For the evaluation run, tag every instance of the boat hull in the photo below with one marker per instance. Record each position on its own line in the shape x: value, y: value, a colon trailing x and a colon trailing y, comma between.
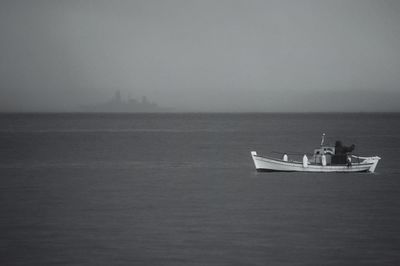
x: 266, y: 164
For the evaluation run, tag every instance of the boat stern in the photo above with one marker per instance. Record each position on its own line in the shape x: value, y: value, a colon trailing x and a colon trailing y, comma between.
x: 253, y: 155
x: 375, y: 161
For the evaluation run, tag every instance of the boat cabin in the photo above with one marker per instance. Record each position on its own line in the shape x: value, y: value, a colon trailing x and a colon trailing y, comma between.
x: 324, y: 150
x: 328, y: 155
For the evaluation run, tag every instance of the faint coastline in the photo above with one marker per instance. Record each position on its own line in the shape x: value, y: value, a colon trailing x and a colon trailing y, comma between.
x: 117, y: 105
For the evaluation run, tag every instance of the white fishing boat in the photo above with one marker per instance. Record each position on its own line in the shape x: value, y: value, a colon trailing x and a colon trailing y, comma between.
x: 324, y: 159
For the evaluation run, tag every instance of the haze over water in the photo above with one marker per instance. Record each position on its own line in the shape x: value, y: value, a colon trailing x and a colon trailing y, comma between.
x: 181, y: 189
x: 208, y: 56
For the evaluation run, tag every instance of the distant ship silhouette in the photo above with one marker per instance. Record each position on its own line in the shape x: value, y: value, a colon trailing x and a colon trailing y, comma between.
x: 116, y: 104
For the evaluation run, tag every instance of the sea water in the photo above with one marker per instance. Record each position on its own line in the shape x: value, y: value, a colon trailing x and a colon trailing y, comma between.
x: 181, y: 189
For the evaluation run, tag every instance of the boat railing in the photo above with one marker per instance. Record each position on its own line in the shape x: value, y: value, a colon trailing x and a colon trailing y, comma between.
x: 297, y: 156
x: 312, y: 159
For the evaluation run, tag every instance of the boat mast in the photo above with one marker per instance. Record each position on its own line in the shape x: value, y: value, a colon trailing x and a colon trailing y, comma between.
x: 322, y: 139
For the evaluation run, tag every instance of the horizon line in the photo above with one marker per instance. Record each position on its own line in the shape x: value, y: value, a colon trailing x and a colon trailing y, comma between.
x: 204, y: 112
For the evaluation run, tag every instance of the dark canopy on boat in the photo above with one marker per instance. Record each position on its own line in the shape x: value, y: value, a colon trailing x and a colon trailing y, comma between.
x: 341, y: 153
x: 341, y: 149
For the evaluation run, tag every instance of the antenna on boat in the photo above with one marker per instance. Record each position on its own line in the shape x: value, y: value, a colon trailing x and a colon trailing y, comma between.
x: 322, y: 139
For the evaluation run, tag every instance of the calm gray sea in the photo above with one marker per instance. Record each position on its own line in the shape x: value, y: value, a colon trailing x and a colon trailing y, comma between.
x: 181, y: 189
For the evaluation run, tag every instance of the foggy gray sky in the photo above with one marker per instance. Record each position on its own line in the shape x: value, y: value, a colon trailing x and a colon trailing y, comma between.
x: 205, y: 55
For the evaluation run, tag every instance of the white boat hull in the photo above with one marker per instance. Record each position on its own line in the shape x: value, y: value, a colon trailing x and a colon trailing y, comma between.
x: 263, y: 163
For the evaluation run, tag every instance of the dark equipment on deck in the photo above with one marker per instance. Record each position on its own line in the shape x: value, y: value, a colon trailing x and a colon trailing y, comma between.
x: 341, y: 153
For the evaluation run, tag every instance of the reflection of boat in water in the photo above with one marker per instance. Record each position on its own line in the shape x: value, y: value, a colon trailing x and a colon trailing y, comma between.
x: 324, y: 159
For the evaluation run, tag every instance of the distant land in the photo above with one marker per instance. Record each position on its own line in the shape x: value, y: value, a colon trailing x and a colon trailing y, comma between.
x: 117, y: 104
